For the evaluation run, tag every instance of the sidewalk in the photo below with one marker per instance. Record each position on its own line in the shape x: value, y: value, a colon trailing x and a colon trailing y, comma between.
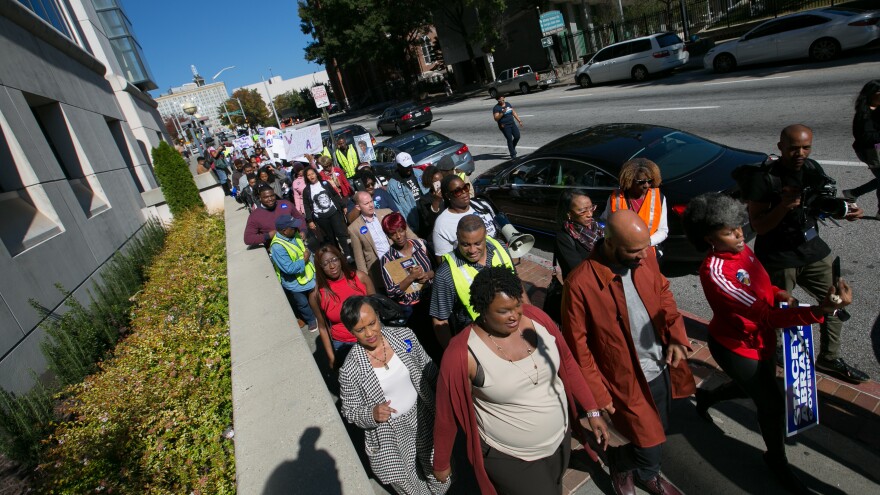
x: 851, y: 411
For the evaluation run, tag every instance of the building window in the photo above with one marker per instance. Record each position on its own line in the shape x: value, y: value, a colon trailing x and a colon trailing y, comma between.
x: 427, y: 49
x: 50, y: 11
x: 126, y: 48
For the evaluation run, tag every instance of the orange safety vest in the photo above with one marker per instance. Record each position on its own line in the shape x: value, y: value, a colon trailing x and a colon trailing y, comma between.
x: 650, y: 212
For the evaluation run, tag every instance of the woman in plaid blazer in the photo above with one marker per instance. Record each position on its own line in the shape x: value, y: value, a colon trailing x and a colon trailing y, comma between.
x: 387, y: 388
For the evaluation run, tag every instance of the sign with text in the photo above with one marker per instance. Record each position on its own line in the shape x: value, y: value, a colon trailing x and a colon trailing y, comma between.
x: 547, y: 42
x: 364, y: 147
x: 551, y: 22
x: 242, y: 143
x: 298, y: 142
x: 319, y: 93
x: 801, y: 393
x: 274, y: 143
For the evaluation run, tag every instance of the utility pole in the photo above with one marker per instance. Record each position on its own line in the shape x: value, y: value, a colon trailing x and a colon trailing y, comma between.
x: 271, y: 103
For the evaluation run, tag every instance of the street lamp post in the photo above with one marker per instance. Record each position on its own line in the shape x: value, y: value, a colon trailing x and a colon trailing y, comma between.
x: 224, y: 103
x: 190, y: 108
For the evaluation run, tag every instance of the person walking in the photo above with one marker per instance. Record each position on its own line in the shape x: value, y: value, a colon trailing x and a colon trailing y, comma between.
x: 579, y: 232
x: 504, y: 116
x: 866, y: 131
x: 324, y: 209
x: 293, y: 266
x: 640, y: 192
x: 387, y: 389
x: 742, y: 335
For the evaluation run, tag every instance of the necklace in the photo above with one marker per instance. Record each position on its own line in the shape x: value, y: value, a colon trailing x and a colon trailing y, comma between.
x: 528, y: 350
x: 384, y: 361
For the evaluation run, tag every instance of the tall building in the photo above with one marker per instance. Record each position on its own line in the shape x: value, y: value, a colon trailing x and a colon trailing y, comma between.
x: 277, y: 86
x: 208, y: 98
x: 76, y: 127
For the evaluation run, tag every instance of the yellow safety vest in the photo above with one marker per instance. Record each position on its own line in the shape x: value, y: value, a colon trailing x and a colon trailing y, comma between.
x: 463, y: 276
x: 295, y: 250
x: 348, y: 163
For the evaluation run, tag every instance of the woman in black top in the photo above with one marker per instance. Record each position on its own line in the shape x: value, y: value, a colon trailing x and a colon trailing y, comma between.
x: 579, y: 232
x: 324, y: 209
x: 866, y: 131
x: 430, y: 205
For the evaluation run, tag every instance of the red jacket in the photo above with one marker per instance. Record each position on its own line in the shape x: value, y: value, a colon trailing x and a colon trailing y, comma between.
x: 344, y: 186
x: 262, y: 221
x: 455, y: 406
x: 743, y: 302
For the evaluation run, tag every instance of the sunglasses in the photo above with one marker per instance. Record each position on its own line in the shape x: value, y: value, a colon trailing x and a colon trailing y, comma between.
x: 460, y: 191
x: 642, y: 182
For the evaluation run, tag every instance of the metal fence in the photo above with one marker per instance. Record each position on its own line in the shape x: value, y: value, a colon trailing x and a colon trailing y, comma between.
x: 701, y: 15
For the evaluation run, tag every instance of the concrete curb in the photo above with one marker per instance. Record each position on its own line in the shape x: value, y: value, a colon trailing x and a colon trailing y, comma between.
x: 288, y: 434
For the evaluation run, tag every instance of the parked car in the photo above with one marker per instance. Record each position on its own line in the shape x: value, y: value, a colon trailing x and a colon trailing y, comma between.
x: 522, y: 79
x: 348, y: 132
x: 637, y: 59
x: 426, y: 148
x: 528, y: 189
x: 818, y: 34
x: 403, y: 117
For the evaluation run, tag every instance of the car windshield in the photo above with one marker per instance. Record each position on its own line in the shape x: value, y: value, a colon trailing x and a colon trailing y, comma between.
x: 423, y: 143
x: 668, y: 39
x: 679, y: 153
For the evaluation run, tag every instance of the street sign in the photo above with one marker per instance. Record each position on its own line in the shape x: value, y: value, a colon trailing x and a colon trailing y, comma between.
x: 490, y: 58
x: 551, y: 22
x: 547, y: 42
x: 319, y: 93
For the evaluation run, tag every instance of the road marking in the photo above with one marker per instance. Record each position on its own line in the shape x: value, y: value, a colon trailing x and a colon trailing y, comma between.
x: 676, y: 108
x: 444, y: 120
x: 746, y: 80
x: 839, y: 163
x: 499, y: 146
x: 526, y: 115
x: 577, y: 96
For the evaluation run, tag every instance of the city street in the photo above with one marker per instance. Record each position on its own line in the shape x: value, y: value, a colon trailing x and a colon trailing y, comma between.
x: 744, y: 109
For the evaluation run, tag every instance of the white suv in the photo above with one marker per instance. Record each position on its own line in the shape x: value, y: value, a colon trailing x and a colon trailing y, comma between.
x: 636, y: 58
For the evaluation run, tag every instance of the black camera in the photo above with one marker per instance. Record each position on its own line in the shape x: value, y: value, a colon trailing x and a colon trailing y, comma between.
x: 822, y: 201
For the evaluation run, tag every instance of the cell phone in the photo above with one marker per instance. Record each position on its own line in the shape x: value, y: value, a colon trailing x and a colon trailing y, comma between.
x: 437, y: 186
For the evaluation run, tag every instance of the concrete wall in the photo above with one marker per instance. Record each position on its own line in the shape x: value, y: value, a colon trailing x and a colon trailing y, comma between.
x: 58, y: 224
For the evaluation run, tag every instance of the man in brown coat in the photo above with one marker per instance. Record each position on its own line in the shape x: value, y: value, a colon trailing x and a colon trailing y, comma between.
x: 368, y: 241
x: 624, y: 329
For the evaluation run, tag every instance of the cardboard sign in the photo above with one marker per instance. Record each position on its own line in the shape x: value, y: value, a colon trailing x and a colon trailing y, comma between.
x: 363, y: 144
x: 242, y: 143
x: 801, y: 393
x: 298, y: 142
x: 399, y: 270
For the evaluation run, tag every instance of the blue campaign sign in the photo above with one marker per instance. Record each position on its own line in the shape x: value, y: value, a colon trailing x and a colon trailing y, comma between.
x: 801, y: 394
x: 551, y: 22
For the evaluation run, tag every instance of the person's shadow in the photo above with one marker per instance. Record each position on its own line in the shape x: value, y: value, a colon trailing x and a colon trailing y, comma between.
x: 313, y: 471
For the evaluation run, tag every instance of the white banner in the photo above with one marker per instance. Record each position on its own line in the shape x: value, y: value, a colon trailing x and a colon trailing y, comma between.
x: 274, y: 143
x: 242, y: 143
x: 298, y: 142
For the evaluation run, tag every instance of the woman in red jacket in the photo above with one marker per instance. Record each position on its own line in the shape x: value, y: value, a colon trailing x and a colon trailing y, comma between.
x: 742, y: 335
x: 511, y: 384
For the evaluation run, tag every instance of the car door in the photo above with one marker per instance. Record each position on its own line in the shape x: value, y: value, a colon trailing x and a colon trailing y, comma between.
x: 797, y: 34
x: 599, y: 70
x: 620, y: 61
x: 525, y: 193
x: 501, y: 80
x: 759, y: 45
x: 597, y: 183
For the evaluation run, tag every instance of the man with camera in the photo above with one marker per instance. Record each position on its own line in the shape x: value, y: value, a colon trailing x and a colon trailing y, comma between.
x: 785, y: 200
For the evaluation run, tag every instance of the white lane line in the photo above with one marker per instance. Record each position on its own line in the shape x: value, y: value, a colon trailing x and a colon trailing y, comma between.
x: 577, y: 96
x: 676, y: 108
x: 526, y: 115
x: 499, y: 146
x: 839, y: 163
x: 445, y: 120
x: 746, y: 80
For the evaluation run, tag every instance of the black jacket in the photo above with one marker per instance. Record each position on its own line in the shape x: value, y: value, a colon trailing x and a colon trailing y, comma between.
x: 309, y: 206
x: 569, y: 253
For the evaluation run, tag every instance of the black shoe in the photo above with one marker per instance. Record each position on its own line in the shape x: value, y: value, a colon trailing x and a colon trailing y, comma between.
x: 838, y: 368
x: 781, y: 469
x: 703, y: 405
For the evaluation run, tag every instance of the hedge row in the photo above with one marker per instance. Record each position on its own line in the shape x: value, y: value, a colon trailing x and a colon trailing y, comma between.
x: 152, y: 420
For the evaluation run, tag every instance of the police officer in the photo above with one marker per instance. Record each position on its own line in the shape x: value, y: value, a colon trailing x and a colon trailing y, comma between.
x: 788, y: 242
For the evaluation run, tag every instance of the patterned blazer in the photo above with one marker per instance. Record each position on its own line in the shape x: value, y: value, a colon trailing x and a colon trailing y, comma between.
x: 360, y: 392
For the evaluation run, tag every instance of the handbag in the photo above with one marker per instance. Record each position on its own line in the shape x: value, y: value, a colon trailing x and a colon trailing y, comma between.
x: 553, y: 299
x: 389, y: 311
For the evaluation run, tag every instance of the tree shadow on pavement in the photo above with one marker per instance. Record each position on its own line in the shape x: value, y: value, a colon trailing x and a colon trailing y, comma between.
x: 313, y: 471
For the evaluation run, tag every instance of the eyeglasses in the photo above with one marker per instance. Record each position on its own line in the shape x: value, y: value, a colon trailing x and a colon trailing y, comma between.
x: 332, y: 261
x: 585, y: 210
x: 460, y: 191
x: 642, y: 182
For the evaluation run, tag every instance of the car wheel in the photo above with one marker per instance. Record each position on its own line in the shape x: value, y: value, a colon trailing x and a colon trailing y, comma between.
x: 724, y: 63
x: 428, y: 123
x: 824, y: 49
x: 639, y: 73
x: 493, y: 93
x: 398, y: 129
x: 524, y: 88
x: 584, y: 81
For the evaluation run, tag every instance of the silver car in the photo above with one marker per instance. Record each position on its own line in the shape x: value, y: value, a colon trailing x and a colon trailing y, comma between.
x: 426, y: 148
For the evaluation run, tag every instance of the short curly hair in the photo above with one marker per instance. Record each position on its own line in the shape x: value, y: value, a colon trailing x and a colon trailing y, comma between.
x: 709, y: 212
x: 491, y: 281
x: 630, y: 170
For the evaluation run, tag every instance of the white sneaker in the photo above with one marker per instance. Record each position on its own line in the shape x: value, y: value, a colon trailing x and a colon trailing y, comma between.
x: 848, y: 195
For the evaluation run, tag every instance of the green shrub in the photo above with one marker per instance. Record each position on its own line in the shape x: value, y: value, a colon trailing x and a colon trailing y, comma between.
x: 152, y: 419
x: 25, y: 421
x: 175, y: 179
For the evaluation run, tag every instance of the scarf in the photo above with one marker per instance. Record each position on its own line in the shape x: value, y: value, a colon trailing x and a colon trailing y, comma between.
x: 585, y: 236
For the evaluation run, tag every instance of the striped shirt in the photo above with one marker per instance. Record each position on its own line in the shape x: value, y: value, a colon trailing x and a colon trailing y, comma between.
x: 420, y: 255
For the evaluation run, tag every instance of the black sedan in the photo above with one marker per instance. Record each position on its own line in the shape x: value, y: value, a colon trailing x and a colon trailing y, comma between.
x: 403, y: 117
x: 528, y: 188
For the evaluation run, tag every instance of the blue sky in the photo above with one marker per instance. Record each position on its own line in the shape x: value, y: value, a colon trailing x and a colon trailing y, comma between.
x: 252, y: 36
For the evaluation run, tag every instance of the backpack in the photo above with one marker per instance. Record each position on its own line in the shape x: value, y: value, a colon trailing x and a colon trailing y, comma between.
x: 744, y: 176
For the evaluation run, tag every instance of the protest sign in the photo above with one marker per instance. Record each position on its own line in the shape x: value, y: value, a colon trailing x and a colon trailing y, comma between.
x: 801, y: 394
x: 242, y: 143
x: 274, y: 143
x: 298, y: 142
x: 364, y: 146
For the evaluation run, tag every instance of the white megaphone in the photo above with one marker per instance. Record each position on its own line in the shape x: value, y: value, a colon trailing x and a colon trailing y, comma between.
x: 517, y: 243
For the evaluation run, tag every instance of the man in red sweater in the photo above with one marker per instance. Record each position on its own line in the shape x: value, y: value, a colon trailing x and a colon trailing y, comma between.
x: 260, y: 226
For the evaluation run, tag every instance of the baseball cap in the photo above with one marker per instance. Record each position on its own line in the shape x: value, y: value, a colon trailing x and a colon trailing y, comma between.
x: 285, y: 221
x: 404, y: 159
x: 446, y: 163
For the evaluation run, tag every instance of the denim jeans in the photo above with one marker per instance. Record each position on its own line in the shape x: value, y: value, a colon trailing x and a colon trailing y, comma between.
x: 299, y: 301
x: 511, y: 134
x: 221, y: 175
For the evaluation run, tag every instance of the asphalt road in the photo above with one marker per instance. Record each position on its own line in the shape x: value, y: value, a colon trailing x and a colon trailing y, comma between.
x: 745, y: 109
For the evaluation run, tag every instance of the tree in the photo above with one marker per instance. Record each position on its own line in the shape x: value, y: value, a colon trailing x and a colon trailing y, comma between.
x: 255, y: 108
x: 172, y: 129
x: 289, y: 100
